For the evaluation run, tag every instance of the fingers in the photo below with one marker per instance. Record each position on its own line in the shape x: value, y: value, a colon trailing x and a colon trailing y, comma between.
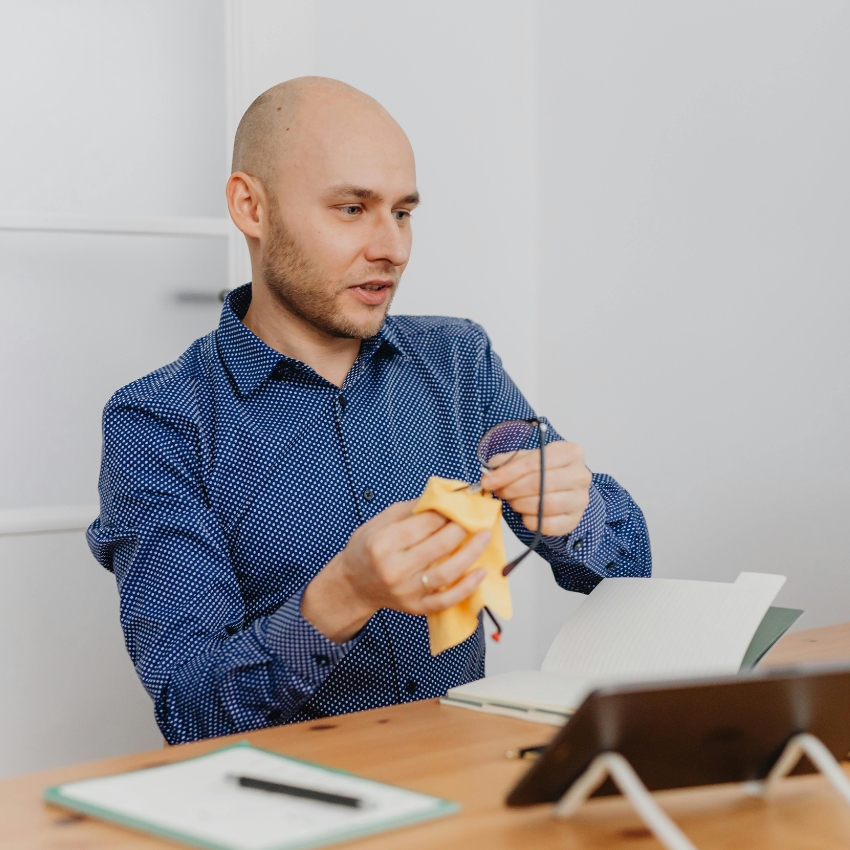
x: 447, y: 572
x: 559, y: 480
x: 449, y: 577
x: 401, y: 551
x: 408, y: 532
x: 567, y: 487
x: 394, y: 513
x: 526, y: 463
x: 438, y: 545
x: 383, y: 563
x: 562, y: 510
x: 501, y: 459
x: 553, y: 503
x: 520, y: 465
x: 554, y: 526
x: 445, y: 576
x: 444, y: 599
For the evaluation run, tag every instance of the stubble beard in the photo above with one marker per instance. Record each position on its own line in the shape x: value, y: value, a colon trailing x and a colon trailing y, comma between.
x: 299, y: 287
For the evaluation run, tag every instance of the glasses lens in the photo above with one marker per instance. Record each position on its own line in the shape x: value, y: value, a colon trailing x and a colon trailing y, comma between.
x: 506, y: 438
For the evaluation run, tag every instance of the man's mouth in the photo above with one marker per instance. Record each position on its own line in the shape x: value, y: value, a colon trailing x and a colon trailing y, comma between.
x: 372, y: 292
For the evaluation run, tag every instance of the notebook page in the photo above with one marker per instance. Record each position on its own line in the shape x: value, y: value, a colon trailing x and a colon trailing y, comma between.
x: 195, y: 800
x: 535, y: 688
x: 651, y: 628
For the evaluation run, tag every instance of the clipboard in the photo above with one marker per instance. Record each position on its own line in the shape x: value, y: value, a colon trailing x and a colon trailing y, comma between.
x: 195, y: 802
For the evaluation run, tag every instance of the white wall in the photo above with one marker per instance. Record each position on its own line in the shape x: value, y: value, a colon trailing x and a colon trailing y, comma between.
x: 459, y: 78
x: 113, y: 110
x: 110, y: 111
x: 644, y: 204
x: 695, y: 271
x: 68, y: 691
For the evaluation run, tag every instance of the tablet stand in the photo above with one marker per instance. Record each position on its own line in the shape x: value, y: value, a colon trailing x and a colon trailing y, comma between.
x: 656, y: 819
x: 624, y: 777
x: 820, y: 757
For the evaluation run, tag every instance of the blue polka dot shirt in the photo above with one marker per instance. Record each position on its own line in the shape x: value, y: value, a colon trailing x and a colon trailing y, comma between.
x: 232, y: 476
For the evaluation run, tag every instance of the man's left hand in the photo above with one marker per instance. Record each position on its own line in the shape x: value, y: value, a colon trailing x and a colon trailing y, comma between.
x: 567, y: 486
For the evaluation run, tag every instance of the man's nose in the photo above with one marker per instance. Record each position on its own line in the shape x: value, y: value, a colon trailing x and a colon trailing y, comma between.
x: 389, y: 241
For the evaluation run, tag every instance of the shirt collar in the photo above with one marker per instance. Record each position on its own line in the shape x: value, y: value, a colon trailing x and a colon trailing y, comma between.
x: 250, y: 361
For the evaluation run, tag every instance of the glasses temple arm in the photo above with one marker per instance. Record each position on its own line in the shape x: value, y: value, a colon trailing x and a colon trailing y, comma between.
x: 542, y: 430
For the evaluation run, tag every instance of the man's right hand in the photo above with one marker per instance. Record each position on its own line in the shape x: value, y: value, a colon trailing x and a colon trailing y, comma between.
x: 382, y: 567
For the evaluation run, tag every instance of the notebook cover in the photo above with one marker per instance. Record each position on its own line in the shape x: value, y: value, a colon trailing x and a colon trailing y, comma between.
x: 774, y: 624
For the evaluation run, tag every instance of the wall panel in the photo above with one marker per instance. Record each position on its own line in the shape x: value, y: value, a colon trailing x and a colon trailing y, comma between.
x: 695, y: 266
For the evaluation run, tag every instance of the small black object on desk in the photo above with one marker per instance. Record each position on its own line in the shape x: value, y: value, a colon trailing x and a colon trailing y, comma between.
x: 296, y: 791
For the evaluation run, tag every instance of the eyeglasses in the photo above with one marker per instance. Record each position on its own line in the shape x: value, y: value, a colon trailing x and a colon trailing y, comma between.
x: 504, y: 441
x: 501, y: 443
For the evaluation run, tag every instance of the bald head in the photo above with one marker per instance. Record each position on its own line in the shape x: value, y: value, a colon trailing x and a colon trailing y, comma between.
x: 284, y: 116
x: 323, y: 187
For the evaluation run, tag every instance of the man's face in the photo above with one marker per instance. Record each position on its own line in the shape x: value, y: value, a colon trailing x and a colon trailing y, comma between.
x: 338, y: 231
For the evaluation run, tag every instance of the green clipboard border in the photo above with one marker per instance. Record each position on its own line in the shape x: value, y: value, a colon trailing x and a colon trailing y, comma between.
x: 442, y: 808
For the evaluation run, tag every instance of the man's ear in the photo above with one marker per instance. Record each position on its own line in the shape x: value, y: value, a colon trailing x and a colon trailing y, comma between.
x: 247, y: 203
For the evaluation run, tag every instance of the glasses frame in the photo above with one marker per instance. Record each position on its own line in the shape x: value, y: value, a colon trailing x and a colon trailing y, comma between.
x: 542, y: 431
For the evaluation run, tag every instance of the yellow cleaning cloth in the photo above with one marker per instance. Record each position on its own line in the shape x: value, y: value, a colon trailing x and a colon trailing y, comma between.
x: 474, y: 512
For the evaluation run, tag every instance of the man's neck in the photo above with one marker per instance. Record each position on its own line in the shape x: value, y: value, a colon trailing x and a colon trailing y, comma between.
x: 329, y: 356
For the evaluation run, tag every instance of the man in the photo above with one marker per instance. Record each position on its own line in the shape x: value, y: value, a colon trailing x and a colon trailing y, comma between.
x: 256, y: 495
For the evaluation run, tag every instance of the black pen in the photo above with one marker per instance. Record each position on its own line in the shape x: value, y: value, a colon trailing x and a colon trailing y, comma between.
x: 297, y: 791
x: 526, y: 752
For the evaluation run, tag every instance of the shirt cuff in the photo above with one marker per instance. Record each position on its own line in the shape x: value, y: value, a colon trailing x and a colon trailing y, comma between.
x: 579, y: 547
x: 299, y: 645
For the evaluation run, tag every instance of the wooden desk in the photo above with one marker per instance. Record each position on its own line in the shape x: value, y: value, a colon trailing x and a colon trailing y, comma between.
x: 460, y: 755
x: 813, y: 646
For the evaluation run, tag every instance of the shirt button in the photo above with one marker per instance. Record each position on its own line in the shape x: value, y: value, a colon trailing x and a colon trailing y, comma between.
x: 342, y: 402
x: 578, y: 545
x: 368, y: 495
x: 280, y: 371
x: 322, y: 660
x: 411, y: 686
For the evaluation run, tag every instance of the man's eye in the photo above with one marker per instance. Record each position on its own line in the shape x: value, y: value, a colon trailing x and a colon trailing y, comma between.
x: 351, y: 209
x: 401, y: 215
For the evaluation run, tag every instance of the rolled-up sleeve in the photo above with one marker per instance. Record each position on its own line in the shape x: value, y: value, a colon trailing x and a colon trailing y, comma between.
x: 208, y: 672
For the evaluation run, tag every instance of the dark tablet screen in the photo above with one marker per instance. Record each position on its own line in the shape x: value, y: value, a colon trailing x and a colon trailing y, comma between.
x: 703, y: 732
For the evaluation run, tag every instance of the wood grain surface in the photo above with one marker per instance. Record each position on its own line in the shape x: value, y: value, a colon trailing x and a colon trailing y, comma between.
x: 460, y: 755
x: 812, y: 646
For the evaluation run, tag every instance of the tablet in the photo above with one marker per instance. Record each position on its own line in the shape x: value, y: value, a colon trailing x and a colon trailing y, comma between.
x: 696, y: 732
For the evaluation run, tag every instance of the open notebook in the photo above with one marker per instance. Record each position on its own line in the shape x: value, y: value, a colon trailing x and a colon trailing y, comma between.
x: 640, y: 629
